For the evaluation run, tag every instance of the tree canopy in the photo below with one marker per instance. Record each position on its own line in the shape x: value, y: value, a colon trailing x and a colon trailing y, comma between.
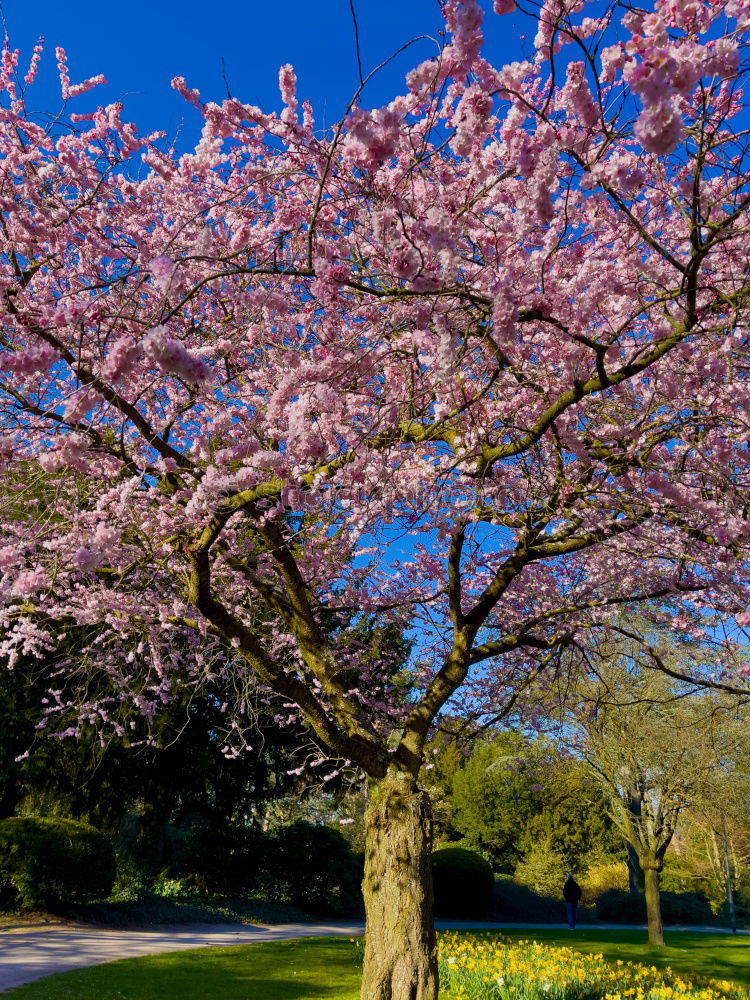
x: 475, y: 361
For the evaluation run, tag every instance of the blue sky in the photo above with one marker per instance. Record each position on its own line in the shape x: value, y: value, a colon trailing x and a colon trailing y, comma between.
x: 139, y: 46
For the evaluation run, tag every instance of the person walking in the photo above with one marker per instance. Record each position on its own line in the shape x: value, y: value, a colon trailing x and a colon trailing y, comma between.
x: 572, y: 896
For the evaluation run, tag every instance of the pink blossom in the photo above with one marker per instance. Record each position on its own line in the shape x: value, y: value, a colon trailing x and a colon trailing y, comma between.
x: 36, y: 358
x: 372, y: 138
x: 576, y: 95
x: 62, y: 67
x: 83, y: 88
x: 122, y: 355
x: 162, y: 269
x: 173, y: 357
x: 613, y: 59
x: 29, y: 582
x: 34, y: 62
x: 192, y: 96
x: 659, y: 127
x: 288, y: 88
x: 424, y: 77
x: 69, y: 453
x: 723, y: 59
x: 9, y: 557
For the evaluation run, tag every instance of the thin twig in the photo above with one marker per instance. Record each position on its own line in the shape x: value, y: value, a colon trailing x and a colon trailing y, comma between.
x: 226, y: 81
x: 356, y: 41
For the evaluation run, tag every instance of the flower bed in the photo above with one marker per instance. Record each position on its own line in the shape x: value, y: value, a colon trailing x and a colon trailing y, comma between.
x: 486, y: 967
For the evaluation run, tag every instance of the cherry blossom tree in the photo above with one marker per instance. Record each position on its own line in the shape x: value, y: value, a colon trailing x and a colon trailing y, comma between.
x: 474, y: 363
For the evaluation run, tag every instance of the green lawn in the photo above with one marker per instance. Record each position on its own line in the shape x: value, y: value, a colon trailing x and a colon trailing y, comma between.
x: 307, y: 969
x: 326, y: 969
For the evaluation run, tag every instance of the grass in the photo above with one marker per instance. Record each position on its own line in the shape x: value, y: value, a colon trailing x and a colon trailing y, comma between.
x: 309, y: 969
x: 326, y: 968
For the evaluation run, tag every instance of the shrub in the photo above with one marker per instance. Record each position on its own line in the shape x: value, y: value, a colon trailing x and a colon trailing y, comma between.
x: 676, y: 876
x: 312, y: 867
x: 229, y: 862
x: 514, y: 902
x: 543, y: 869
x: 602, y: 876
x: 685, y: 908
x: 463, y: 883
x: 52, y: 861
x: 619, y: 907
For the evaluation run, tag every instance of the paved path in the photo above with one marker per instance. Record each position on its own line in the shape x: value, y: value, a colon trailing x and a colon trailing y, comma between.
x: 28, y: 952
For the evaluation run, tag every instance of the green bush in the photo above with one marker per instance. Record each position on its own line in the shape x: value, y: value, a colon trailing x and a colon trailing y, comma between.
x: 602, y: 875
x: 312, y: 867
x: 620, y: 907
x: 514, y: 902
x: 685, y: 908
x: 47, y: 862
x: 463, y: 883
x: 543, y: 869
x: 229, y: 863
x: 676, y: 875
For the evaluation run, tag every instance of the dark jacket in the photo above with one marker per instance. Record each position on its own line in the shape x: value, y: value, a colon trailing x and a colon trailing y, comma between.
x: 571, y: 891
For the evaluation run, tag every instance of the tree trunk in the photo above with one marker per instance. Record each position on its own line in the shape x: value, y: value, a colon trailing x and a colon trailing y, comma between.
x: 635, y: 875
x: 653, y: 904
x: 728, y: 877
x: 400, y: 948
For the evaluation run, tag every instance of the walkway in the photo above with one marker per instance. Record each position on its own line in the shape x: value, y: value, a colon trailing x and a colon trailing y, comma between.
x: 30, y: 951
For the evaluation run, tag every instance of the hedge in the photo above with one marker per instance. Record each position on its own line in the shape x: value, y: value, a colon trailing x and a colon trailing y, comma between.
x: 462, y: 882
x: 48, y: 861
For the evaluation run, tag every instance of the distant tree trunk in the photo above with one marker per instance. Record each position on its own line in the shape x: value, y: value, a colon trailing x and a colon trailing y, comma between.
x: 653, y: 903
x: 728, y: 877
x: 635, y: 875
x: 400, y: 948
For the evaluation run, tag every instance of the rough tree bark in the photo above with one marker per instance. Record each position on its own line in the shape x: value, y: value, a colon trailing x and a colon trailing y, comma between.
x: 653, y: 902
x: 400, y: 948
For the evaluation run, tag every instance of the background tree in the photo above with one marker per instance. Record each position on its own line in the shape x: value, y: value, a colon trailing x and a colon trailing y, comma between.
x: 719, y: 819
x: 474, y: 361
x: 514, y: 793
x: 653, y: 745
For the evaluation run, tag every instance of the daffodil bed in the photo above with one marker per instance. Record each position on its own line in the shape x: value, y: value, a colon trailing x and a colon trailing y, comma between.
x: 490, y: 967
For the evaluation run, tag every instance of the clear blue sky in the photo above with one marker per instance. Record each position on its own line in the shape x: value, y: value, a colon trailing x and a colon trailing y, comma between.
x: 139, y: 46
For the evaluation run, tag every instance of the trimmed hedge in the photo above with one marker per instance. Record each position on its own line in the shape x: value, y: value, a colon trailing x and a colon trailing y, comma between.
x: 312, y: 867
x: 227, y: 863
x: 462, y: 882
x: 46, y: 862
x: 514, y: 902
x: 619, y: 907
x: 302, y: 865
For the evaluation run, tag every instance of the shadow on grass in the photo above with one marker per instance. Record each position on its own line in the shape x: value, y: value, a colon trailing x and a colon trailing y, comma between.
x: 310, y: 969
